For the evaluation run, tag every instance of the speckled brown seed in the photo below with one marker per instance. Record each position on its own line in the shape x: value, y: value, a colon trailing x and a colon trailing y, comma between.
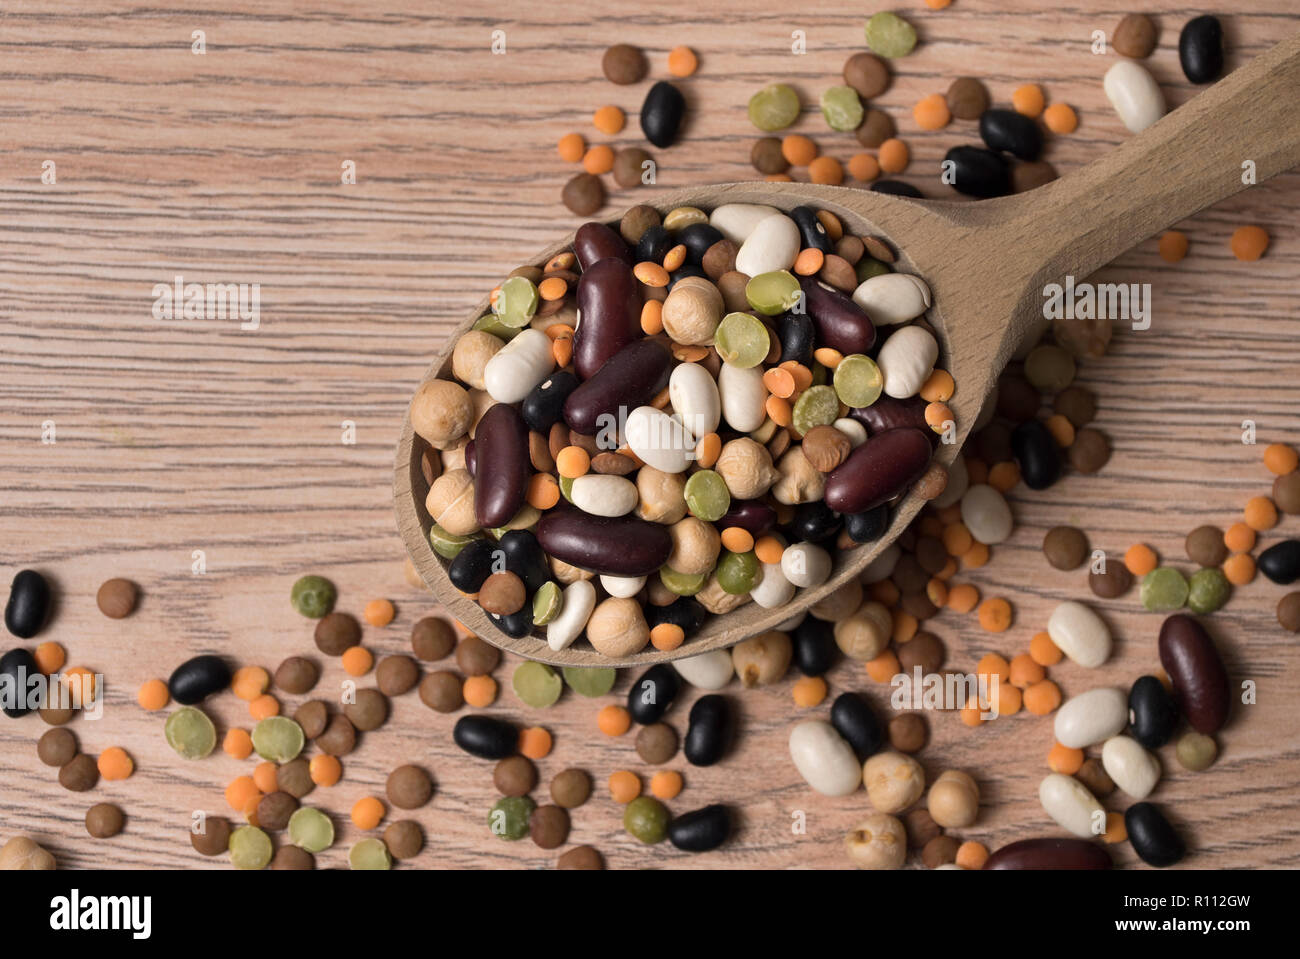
x: 274, y: 810
x: 766, y: 156
x: 549, y: 826
x: 571, y: 788
x: 404, y: 839
x: 967, y: 98
x: 432, y: 638
x: 56, y: 747
x: 476, y: 657
x: 214, y: 840
x: 396, y: 675
x: 337, y: 632
x: 441, y: 692
x: 920, y: 827
x: 1066, y: 547
x: 339, y: 737
x: 624, y: 64
x: 908, y: 732
x: 1113, y: 583
x: 313, y: 716
x: 104, y: 820
x: 296, y: 675
x: 369, y: 711
x: 117, y: 598
x: 79, y: 774
x: 409, y: 787
x: 1135, y: 36
x: 514, y: 776
x: 294, y: 777
x: 1205, y: 546
x: 580, y: 857
x: 656, y: 743
x: 292, y: 859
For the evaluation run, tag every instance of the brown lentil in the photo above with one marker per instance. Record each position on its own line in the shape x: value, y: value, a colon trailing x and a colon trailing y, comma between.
x: 337, y: 632
x: 1090, y: 452
x: 549, y: 826
x: 369, y: 711
x: 850, y: 248
x: 290, y: 858
x: 409, y: 787
x: 1286, y: 492
x: 623, y: 64
x: 1135, y: 36
x: 720, y: 259
x: 55, y: 716
x: 967, y: 98
x: 925, y: 650
x: 656, y: 743
x: 1076, y: 404
x: 339, y: 737
x: 1114, y: 582
x: 515, y: 776
x: 636, y: 221
x: 56, y: 747
x: 104, y: 820
x: 1030, y: 175
x: 1066, y: 547
x: 580, y: 857
x: 294, y: 778
x: 583, y: 194
x: 313, y: 716
x: 1205, y: 546
x: 116, y: 599
x: 214, y: 840
x: 629, y: 167
x: 397, y: 675
x: 404, y: 839
x: 274, y: 810
x: 296, y: 675
x: 920, y: 827
x: 766, y: 156
x: 838, y: 272
x: 939, y: 851
x: 79, y: 773
x: 908, y: 732
x: 571, y: 788
x: 1093, y: 775
x: 441, y: 692
x: 1288, y: 612
x: 502, y: 593
x: 866, y: 73
x: 432, y: 638
x: 475, y: 657
x: 875, y: 129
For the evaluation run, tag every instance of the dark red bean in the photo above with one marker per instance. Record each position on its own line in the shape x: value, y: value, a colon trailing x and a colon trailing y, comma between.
x: 595, y: 241
x: 609, y: 301
x: 502, y: 465
x: 631, y: 379
x: 888, y: 413
x: 471, y: 458
x: 608, y: 545
x: 1200, y: 682
x: 878, y: 470
x: 752, y: 515
x: 841, y: 324
x: 1050, y: 854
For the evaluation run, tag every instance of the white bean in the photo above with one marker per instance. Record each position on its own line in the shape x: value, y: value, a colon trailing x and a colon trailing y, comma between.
x: 736, y: 221
x: 773, y: 589
x: 579, y: 601
x: 806, y: 564
x: 882, y: 567
x: 771, y: 245
x: 906, y: 360
x: 711, y: 670
x: 658, y: 439
x: 1134, y: 94
x: 518, y: 366
x: 958, y: 483
x: 694, y: 395
x: 1091, y: 717
x: 622, y: 587
x: 742, y: 394
x: 825, y: 761
x: 603, y: 494
x: 892, y: 298
x: 1133, y: 769
x: 1075, y: 809
x: 1080, y: 634
x: 985, y: 512
x: 855, y: 431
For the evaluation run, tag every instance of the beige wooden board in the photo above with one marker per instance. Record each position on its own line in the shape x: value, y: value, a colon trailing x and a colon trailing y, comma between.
x: 175, y: 436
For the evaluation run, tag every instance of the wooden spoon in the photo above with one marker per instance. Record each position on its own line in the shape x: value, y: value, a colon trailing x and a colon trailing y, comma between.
x: 987, y: 264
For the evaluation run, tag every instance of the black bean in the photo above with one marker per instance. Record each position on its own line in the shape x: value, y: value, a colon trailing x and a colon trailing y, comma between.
x: 1151, y: 836
x: 29, y: 604
x: 798, y: 337
x: 1036, y: 452
x: 654, y: 244
x: 854, y: 719
x: 652, y: 694
x: 701, y: 829
x: 610, y: 546
x: 594, y: 242
x: 502, y: 465
x: 975, y: 171
x: 897, y: 188
x: 687, y: 612
x: 517, y: 624
x: 689, y: 269
x: 869, y: 526
x: 708, y: 731
x: 1281, y: 562
x: 1152, y: 712
x: 661, y: 113
x: 840, y: 323
x: 525, y: 558
x: 196, y: 679
x: 1199, y: 679
x: 814, y: 647
x: 812, y: 230
x: 1200, y: 49
x: 1050, y: 854
x: 630, y: 378
x: 472, y: 565
x: 543, y: 407
x: 698, y: 237
x: 485, y: 737
x: 814, y: 522
x: 17, y: 667
x: 1012, y: 132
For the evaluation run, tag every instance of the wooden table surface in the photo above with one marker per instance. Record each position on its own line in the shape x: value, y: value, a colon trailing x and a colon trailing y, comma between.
x: 175, y: 436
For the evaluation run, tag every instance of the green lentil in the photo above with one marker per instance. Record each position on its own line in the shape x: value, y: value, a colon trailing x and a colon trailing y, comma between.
x: 492, y: 324
x: 566, y: 488
x: 1207, y: 590
x: 537, y: 684
x: 313, y: 596
x: 774, y: 107
x: 517, y: 302
x: 370, y: 853
x: 1196, y: 751
x: 590, y: 682
x: 773, y: 293
x: 889, y: 35
x: 646, y: 818
x: 448, y: 545
x: 683, y: 584
x: 1163, y: 590
x: 190, y: 732
x: 1049, y: 368
x: 842, y: 109
x: 278, y: 738
x: 742, y: 340
x: 707, y: 496
x: 868, y: 266
x: 509, y: 817
x: 527, y: 517
x: 738, y: 572
x: 858, y: 381
x: 816, y: 406
x: 311, y: 829
x: 547, y: 603
x: 250, y: 848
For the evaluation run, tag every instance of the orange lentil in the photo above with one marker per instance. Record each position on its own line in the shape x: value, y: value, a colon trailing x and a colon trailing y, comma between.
x: 948, y: 514
x: 975, y: 557
x: 779, y: 382
x: 798, y: 150
x: 1025, y: 671
x: 1172, y: 246
x: 265, y: 776
x: 652, y: 317
x: 1116, y: 830
x: 1140, y: 559
x: 936, y: 591
x: 828, y: 357
x: 1239, y: 538
x: 931, y: 113
x: 769, y: 549
x: 367, y: 813
x: 1028, y: 99
x: 1004, y: 476
x: 1064, y: 760
x: 598, y: 159
x: 325, y: 770
x: 624, y: 786
x: 970, y: 714
x: 613, y: 720
x: 905, y: 626
x: 991, y: 664
x: 1005, y: 699
x: 995, y: 615
x: 809, y: 691
x: 79, y: 679
x: 938, y: 415
x: 938, y: 387
x: 809, y: 261
x: 708, y: 449
x: 1239, y: 569
x: 667, y: 636
x: 893, y: 156
x: 557, y: 330
x: 779, y: 410
x: 1062, y: 429
x: 675, y: 257
x: 826, y: 170
x: 153, y: 695
x: 249, y: 682
x: 1041, y: 698
x: 379, y: 612
x: 779, y: 178
x: 114, y: 763
x: 240, y: 791
x: 543, y: 491
x: 957, y: 538
x: 1260, y: 513
x: 50, y: 657
x: 573, y: 462
x: 479, y: 691
x: 1280, y: 459
x: 884, y: 667
x: 666, y: 784
x: 977, y: 470
x: 357, y: 660
x: 264, y: 707
x: 963, y: 597
x: 863, y: 167
x: 561, y: 261
x: 562, y: 350
x: 682, y: 61
x: 737, y: 539
x: 571, y: 147
x: 884, y: 592
x: 802, y: 375
x: 1043, y: 651
x: 948, y: 571
x: 970, y: 854
x: 608, y: 119
x: 237, y: 743
x: 535, y: 742
x: 1248, y: 243
x: 651, y: 274
x: 552, y: 288
x: 1061, y: 118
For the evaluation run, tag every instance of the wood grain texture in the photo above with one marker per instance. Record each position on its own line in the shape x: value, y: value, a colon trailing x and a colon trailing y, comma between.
x: 191, y: 434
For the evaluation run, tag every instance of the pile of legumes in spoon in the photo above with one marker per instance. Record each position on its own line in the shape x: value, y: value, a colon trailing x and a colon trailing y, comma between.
x: 671, y: 420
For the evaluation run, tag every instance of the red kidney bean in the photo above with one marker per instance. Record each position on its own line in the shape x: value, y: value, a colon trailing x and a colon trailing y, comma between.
x: 631, y: 379
x: 752, y: 515
x: 878, y: 470
x: 471, y: 458
x: 1050, y: 854
x: 595, y: 242
x: 841, y: 324
x: 608, y: 545
x: 1200, y: 682
x: 502, y: 465
x: 609, y: 308
x: 888, y: 413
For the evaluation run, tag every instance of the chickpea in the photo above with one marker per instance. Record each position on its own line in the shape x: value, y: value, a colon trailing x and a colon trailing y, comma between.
x: 865, y: 634
x: 717, y: 600
x: 692, y: 312
x: 894, y: 781
x: 746, y: 467
x: 565, y: 574
x: 451, y: 503
x: 662, y: 495
x: 482, y: 401
x: 567, y: 314
x: 23, y: 853
x: 840, y: 604
x: 453, y: 457
x: 954, y: 799
x: 472, y: 352
x: 878, y: 842
x: 441, y: 412
x: 617, y: 627
x: 695, y: 546
x: 798, y: 480
x: 762, y: 659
